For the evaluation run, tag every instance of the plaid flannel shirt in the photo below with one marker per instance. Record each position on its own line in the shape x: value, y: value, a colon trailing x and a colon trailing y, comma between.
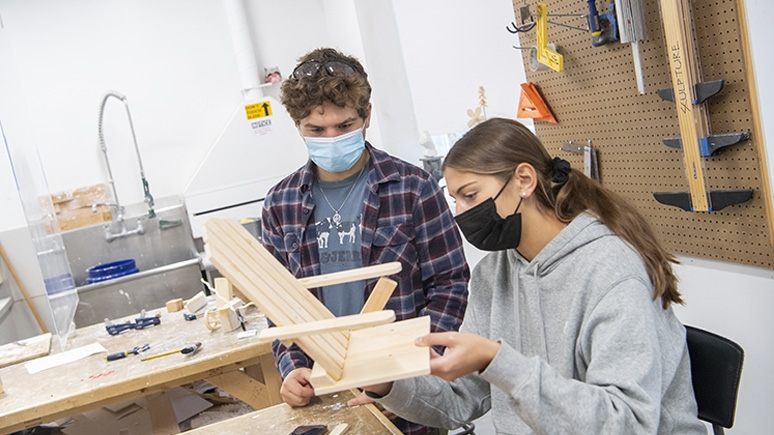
x: 405, y: 218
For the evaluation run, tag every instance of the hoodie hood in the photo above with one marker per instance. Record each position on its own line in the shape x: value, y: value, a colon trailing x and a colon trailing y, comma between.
x: 584, y: 229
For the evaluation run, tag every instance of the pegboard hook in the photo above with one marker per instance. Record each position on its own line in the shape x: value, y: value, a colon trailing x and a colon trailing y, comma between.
x: 527, y: 21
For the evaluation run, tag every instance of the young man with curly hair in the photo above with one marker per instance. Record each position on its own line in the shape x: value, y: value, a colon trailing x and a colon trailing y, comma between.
x: 353, y: 205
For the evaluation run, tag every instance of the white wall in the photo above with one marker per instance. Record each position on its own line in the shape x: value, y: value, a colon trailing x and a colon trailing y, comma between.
x: 181, y: 85
x: 451, y: 48
x: 174, y: 62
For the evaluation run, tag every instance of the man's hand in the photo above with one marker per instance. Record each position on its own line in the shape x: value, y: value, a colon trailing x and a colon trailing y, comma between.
x: 465, y: 353
x: 297, y: 387
x: 362, y: 399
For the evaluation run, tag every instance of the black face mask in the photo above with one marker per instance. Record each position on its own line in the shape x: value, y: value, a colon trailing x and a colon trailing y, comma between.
x: 486, y: 230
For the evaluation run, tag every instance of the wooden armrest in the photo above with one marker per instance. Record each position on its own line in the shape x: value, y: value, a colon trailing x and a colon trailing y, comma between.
x: 380, y: 295
x: 351, y: 275
x: 355, y: 321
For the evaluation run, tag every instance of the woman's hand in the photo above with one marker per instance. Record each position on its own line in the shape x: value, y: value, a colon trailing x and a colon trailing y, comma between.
x: 465, y: 353
x: 297, y: 387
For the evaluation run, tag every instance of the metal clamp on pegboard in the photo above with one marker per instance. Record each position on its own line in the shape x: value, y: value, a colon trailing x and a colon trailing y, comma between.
x: 689, y: 94
x: 603, y: 28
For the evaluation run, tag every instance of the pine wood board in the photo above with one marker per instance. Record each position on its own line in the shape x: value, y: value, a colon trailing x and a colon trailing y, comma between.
x: 381, y: 354
x: 353, y: 322
x: 330, y: 410
x: 379, y: 295
x: 25, y: 350
x: 358, y: 274
x: 685, y: 74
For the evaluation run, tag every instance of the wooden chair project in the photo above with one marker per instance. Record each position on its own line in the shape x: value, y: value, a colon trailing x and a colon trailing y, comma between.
x: 349, y: 351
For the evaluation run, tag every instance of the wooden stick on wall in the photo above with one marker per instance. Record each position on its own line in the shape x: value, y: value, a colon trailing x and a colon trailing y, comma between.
x: 23, y: 291
x: 684, y: 71
x: 757, y: 129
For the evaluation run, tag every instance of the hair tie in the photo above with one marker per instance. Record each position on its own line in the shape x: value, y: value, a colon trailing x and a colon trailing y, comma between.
x: 561, y: 170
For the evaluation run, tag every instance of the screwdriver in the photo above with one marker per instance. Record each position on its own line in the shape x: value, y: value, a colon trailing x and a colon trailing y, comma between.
x: 135, y: 351
x: 185, y: 351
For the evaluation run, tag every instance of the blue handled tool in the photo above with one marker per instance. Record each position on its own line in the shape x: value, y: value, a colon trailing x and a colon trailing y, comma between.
x: 139, y: 323
x: 593, y: 17
x: 136, y: 350
x: 604, y: 27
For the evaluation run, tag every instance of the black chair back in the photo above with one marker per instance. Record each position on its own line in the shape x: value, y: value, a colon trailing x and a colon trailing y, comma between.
x: 716, y: 369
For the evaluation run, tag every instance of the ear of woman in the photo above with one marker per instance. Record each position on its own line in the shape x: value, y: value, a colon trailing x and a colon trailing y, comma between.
x: 525, y: 178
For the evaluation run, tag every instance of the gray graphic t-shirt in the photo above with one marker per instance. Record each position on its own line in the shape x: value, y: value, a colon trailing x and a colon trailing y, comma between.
x: 338, y: 215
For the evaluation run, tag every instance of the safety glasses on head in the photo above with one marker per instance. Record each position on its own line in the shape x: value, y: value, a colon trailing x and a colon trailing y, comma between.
x: 333, y: 67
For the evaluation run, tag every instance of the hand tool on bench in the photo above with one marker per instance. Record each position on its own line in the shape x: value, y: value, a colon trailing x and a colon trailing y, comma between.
x: 135, y: 351
x: 138, y: 323
x: 187, y: 350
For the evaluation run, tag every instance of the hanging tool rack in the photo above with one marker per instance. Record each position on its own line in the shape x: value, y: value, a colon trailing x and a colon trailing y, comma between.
x: 596, y: 97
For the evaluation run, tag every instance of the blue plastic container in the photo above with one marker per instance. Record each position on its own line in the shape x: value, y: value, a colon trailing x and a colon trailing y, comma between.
x: 59, y: 283
x: 111, y: 270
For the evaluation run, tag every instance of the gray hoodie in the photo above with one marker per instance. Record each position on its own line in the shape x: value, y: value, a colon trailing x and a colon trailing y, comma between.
x: 584, y: 348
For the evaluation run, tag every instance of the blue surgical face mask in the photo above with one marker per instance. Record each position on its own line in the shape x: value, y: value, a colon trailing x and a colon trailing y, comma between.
x: 336, y: 154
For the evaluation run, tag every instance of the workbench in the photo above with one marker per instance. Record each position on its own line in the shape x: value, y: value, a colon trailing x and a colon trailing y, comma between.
x: 330, y: 410
x: 33, y: 399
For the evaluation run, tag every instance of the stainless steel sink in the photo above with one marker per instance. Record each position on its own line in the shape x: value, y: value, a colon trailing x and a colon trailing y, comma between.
x: 165, y: 253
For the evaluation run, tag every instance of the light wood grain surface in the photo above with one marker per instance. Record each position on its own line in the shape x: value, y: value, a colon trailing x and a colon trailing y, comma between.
x: 25, y: 350
x: 30, y: 400
x: 330, y: 410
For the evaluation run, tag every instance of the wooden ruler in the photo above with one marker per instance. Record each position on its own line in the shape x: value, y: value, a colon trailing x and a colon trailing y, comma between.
x: 685, y: 71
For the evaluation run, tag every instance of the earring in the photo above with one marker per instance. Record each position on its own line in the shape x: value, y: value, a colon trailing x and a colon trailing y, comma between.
x: 523, y: 194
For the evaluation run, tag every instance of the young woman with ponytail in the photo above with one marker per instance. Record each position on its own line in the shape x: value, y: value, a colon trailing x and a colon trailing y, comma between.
x: 569, y: 327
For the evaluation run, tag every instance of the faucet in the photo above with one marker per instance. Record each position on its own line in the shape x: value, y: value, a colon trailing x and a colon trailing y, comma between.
x: 146, y: 189
x: 110, y: 236
x: 120, y: 211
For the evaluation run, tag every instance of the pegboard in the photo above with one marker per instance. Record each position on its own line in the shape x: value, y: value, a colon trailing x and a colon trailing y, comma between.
x: 595, y: 98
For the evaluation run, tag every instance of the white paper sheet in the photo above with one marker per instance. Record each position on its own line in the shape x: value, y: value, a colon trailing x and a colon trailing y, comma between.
x: 59, y: 359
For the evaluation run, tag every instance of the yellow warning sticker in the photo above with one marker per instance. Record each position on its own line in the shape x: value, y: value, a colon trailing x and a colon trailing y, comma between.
x: 258, y: 110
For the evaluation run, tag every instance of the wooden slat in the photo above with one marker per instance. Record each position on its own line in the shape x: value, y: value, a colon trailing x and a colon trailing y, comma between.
x: 275, y: 269
x: 243, y: 387
x: 329, y: 353
x: 358, y: 274
x: 684, y: 72
x: 25, y: 350
x: 380, y: 295
x: 757, y: 129
x: 270, y: 267
x: 271, y: 277
x: 353, y: 322
x: 241, y: 262
x: 271, y: 378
